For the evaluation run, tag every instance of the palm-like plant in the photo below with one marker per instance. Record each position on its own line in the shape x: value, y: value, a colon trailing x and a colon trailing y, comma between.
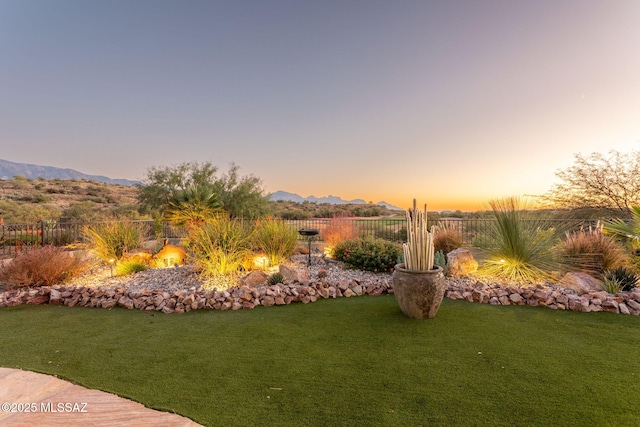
x: 629, y: 231
x: 193, y: 206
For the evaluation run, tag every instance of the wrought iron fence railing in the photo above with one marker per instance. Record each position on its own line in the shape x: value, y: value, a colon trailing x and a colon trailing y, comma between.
x: 16, y: 238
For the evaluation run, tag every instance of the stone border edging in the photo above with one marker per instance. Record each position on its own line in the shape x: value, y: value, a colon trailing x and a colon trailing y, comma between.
x: 234, y: 298
x: 250, y: 297
x: 556, y: 297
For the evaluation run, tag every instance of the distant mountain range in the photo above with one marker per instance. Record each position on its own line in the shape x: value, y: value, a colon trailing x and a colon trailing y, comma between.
x: 10, y: 169
x: 334, y: 200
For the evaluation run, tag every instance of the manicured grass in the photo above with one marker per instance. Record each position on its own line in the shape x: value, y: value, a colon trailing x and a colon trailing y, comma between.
x: 346, y: 362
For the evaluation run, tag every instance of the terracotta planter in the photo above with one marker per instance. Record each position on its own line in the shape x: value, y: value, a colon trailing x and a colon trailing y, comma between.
x: 419, y: 293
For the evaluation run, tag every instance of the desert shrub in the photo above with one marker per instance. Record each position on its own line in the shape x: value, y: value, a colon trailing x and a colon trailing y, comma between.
x: 519, y: 247
x: 110, y: 240
x: 339, y: 230
x: 276, y: 239
x: 446, y: 237
x: 619, y: 279
x: 130, y: 266
x: 220, y: 247
x: 592, y: 252
x: 275, y: 278
x: 368, y: 254
x: 48, y: 265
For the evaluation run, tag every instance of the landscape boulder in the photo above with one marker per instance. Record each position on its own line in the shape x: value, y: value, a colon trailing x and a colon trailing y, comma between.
x: 460, y: 262
x: 170, y: 255
x: 582, y: 283
x: 292, y: 275
x: 253, y: 279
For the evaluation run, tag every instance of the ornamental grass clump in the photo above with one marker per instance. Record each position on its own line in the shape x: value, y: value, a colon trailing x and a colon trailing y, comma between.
x: 111, y: 240
x: 276, y: 239
x: 221, y: 247
x: 130, y: 266
x: 419, y: 250
x: 446, y: 237
x: 340, y: 229
x: 592, y: 252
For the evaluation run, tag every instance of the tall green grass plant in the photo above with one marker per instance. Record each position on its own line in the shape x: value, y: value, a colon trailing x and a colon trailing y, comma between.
x: 110, y: 240
x: 276, y: 239
x: 221, y: 247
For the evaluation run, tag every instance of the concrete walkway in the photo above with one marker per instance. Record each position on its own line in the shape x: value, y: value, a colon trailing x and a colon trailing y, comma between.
x: 54, y: 402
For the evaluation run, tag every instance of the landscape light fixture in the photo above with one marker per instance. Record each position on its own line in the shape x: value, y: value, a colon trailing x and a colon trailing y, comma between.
x: 309, y: 232
x: 111, y: 262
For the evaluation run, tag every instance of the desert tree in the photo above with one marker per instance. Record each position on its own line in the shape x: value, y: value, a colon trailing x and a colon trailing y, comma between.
x: 240, y: 196
x: 606, y: 183
x: 162, y: 183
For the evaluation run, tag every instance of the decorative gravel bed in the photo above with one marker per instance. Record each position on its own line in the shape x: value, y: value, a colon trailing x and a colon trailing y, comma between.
x: 186, y: 277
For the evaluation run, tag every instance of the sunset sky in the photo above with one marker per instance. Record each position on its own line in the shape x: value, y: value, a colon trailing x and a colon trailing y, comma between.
x: 451, y: 102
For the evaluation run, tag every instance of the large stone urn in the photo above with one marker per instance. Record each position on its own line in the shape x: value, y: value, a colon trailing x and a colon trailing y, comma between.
x: 419, y: 293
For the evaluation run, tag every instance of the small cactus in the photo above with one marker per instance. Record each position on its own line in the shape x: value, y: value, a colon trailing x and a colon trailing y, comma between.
x: 275, y: 278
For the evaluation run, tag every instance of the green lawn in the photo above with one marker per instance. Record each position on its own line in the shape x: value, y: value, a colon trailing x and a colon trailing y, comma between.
x: 345, y: 362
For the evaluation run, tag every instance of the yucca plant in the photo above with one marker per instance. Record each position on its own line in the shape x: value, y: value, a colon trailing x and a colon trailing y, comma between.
x: 220, y: 247
x: 276, y: 239
x: 419, y: 249
x: 520, y: 248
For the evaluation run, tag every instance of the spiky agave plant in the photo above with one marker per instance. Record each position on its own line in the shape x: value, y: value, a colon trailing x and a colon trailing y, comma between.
x: 419, y: 249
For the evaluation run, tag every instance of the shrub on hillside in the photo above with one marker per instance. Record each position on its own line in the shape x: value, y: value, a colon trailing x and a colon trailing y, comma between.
x: 592, y: 252
x: 44, y: 266
x: 368, y: 254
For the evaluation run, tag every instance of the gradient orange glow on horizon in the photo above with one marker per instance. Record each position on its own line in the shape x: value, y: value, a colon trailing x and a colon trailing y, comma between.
x: 451, y: 103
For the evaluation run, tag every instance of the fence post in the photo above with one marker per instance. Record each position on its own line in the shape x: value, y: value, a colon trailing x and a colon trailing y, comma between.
x: 42, y: 239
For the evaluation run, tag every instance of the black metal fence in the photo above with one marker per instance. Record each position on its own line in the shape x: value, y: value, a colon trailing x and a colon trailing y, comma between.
x: 16, y: 238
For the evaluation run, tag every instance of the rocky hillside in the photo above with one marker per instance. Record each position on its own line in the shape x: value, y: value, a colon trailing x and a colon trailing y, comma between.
x: 24, y: 200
